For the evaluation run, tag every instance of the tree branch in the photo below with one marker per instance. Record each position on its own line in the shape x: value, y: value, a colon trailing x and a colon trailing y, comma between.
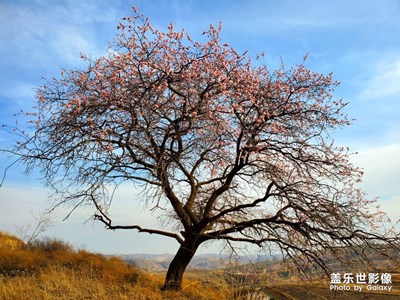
x: 102, y: 217
x: 107, y: 222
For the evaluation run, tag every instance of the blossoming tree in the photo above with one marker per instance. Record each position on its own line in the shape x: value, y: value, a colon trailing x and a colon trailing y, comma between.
x: 229, y: 149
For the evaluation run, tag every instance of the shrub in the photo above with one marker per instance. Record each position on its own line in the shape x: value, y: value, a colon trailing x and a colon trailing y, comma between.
x: 49, y: 245
x: 20, y: 262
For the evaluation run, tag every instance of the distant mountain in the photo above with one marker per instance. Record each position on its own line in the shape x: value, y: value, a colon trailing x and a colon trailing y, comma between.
x: 149, y: 262
x: 160, y: 262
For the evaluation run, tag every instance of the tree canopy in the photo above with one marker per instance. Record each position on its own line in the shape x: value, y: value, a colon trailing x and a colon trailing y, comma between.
x: 232, y: 150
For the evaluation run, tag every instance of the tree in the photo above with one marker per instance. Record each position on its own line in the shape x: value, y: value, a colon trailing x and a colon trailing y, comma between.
x: 230, y: 150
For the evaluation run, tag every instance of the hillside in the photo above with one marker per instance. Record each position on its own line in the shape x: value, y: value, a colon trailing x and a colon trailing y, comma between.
x: 52, y: 269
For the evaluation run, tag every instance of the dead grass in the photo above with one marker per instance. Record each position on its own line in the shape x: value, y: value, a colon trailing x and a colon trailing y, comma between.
x: 52, y: 269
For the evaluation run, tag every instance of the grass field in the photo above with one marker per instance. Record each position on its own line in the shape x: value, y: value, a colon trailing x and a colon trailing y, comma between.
x: 51, y: 269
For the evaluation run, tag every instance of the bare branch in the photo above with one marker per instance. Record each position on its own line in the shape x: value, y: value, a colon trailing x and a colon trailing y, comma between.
x: 108, y: 224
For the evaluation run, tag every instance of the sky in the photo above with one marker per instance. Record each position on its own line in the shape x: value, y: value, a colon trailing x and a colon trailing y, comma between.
x: 359, y: 41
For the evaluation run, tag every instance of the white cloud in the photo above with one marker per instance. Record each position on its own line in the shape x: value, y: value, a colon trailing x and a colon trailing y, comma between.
x: 40, y: 37
x: 385, y: 82
x: 381, y: 166
x: 89, y: 11
x: 68, y: 43
x: 44, y: 32
x: 285, y: 16
x: 392, y: 207
x: 17, y: 204
x: 373, y: 89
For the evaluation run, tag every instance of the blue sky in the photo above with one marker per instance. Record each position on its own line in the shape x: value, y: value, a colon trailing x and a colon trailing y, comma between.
x: 359, y: 41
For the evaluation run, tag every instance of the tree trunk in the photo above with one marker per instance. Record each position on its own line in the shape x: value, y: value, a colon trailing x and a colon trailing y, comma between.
x: 173, y: 280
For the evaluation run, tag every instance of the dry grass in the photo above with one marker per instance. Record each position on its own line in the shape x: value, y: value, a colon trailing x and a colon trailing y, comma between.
x: 52, y: 269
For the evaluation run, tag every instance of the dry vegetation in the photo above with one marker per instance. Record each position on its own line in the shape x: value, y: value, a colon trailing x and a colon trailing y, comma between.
x: 52, y: 269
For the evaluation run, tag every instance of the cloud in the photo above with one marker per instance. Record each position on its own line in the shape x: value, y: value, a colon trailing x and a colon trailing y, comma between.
x: 373, y: 89
x: 69, y: 42
x: 17, y: 204
x: 40, y: 32
x: 288, y: 16
x: 40, y: 37
x: 392, y: 208
x: 381, y: 166
x: 385, y: 81
x: 13, y: 98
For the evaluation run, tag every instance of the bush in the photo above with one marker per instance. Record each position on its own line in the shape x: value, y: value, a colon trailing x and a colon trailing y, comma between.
x: 49, y: 245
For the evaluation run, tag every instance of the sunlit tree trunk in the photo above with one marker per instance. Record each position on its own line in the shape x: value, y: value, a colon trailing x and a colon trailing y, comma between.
x: 173, y: 280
